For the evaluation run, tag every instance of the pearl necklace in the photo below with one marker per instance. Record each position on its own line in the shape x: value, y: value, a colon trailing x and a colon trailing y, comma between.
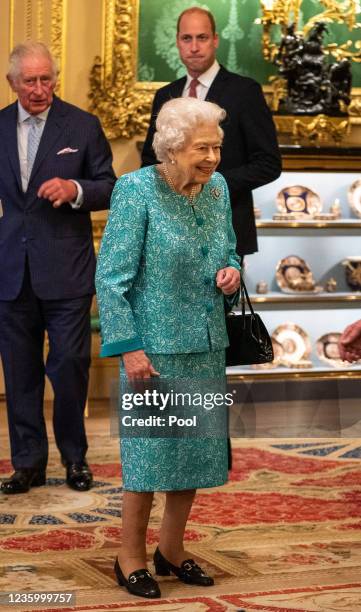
x: 168, y: 178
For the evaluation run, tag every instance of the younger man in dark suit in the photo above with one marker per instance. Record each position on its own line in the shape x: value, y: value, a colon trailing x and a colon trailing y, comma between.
x: 55, y: 167
x: 250, y: 156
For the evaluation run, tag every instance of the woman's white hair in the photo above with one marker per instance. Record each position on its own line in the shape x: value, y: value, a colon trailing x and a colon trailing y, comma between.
x: 177, y: 120
x: 24, y: 50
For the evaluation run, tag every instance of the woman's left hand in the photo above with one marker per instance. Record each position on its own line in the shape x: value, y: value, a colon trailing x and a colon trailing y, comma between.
x: 228, y: 280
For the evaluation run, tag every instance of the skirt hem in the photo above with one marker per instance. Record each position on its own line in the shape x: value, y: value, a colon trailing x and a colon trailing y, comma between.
x: 181, y: 488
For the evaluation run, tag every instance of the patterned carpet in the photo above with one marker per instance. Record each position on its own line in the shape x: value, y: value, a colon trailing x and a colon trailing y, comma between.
x: 283, y: 535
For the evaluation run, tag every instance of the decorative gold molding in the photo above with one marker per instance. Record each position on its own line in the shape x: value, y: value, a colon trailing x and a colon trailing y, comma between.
x: 40, y: 19
x: 11, y: 24
x: 11, y: 40
x: 109, y: 28
x: 314, y: 130
x: 323, y: 160
x: 28, y: 20
x: 98, y: 229
x: 354, y: 110
x: 320, y: 129
x: 120, y: 102
x: 58, y: 38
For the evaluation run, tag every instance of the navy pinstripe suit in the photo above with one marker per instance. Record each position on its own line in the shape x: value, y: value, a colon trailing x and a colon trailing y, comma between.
x: 47, y: 268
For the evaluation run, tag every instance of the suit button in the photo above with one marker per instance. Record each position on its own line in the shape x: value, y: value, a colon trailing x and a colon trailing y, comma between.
x: 200, y: 221
x: 209, y: 307
x: 205, y: 250
x: 24, y: 239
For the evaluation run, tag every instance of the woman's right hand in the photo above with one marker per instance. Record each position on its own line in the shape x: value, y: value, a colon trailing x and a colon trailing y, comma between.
x: 138, y: 366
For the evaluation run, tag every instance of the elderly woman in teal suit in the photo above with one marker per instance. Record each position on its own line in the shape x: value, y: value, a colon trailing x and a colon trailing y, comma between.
x: 167, y: 260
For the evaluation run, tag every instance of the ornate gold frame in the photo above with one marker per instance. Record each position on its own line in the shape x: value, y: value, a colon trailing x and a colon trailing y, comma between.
x: 58, y: 37
x: 121, y: 102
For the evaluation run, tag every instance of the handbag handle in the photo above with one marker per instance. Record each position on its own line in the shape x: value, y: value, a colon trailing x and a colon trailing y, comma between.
x: 245, y: 298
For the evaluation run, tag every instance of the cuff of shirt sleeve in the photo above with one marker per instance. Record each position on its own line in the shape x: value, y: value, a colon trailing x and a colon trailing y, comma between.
x: 75, y: 204
x: 114, y: 349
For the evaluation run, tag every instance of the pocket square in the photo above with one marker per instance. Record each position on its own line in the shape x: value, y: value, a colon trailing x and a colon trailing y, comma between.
x: 67, y: 150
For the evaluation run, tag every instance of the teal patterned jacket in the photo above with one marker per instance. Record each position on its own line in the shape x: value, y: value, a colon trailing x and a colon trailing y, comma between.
x: 157, y: 265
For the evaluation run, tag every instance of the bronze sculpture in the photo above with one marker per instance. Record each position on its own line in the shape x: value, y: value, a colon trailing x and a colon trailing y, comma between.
x: 314, y: 84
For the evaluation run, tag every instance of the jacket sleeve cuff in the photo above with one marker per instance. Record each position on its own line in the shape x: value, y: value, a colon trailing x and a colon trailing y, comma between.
x: 234, y: 263
x: 114, y: 349
x: 75, y: 204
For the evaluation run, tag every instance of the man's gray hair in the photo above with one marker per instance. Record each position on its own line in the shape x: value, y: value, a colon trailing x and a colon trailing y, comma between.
x: 25, y: 50
x: 177, y: 120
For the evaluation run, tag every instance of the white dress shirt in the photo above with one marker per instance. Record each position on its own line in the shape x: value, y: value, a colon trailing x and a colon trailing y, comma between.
x: 205, y: 81
x: 22, y: 134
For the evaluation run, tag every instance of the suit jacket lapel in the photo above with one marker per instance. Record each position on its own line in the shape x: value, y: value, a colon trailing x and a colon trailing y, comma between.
x: 53, y: 129
x: 176, y: 88
x: 217, y: 88
x: 11, y: 141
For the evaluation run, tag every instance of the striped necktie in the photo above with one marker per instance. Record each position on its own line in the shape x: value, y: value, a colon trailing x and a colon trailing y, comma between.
x: 34, y: 136
x: 193, y: 88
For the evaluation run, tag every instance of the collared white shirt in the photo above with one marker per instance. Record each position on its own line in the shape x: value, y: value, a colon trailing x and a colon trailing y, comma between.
x: 23, y: 127
x: 205, y: 81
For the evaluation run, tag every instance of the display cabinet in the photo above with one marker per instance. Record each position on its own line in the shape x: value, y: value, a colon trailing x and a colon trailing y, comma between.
x: 323, y: 244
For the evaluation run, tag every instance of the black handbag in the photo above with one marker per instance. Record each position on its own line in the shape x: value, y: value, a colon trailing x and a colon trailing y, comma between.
x: 249, y: 340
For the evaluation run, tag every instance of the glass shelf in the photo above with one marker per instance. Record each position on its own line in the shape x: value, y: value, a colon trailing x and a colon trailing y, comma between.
x: 286, y: 298
x: 339, y: 224
x: 320, y: 372
x: 324, y: 243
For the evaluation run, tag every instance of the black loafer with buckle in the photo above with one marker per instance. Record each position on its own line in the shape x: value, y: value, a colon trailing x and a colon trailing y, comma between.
x: 139, y: 583
x: 189, y: 572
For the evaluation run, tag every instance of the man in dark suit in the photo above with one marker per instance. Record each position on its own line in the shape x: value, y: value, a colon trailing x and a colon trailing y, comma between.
x: 55, y: 167
x: 250, y: 156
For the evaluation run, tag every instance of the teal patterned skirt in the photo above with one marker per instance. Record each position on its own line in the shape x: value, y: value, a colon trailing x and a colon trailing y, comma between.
x: 176, y: 463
